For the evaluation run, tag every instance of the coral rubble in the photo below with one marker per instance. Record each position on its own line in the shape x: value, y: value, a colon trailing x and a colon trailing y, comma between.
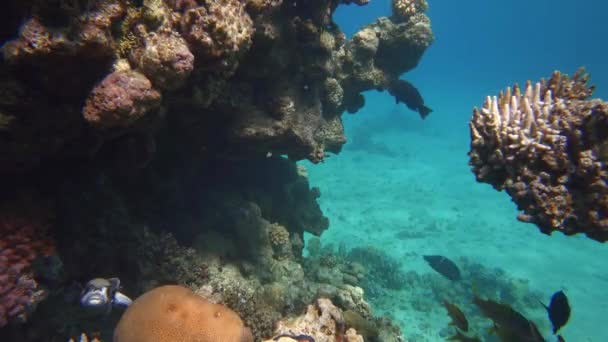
x: 546, y: 146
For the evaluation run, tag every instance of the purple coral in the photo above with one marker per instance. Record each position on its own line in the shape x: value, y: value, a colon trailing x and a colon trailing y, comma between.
x: 21, y: 241
x: 120, y: 99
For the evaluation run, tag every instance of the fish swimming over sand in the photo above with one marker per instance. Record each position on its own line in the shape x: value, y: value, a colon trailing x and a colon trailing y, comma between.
x: 558, y: 310
x: 443, y: 266
x: 509, y: 325
x: 405, y: 92
x: 459, y: 320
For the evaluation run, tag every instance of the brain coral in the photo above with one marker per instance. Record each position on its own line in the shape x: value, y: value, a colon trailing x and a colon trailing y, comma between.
x: 175, y: 314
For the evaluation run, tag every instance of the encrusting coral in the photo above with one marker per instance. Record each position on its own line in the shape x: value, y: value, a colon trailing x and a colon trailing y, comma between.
x: 543, y: 145
x: 175, y: 314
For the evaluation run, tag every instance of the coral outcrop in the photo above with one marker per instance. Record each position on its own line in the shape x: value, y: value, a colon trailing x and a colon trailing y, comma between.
x: 546, y: 146
x: 323, y: 321
x: 165, y: 135
x: 122, y: 98
x: 244, y: 78
x: 174, y: 313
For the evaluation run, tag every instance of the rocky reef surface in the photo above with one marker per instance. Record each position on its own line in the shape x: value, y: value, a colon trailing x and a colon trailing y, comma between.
x: 145, y: 139
x: 547, y: 146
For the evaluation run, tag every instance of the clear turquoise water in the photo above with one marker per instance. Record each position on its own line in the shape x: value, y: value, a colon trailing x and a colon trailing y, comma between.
x: 480, y: 48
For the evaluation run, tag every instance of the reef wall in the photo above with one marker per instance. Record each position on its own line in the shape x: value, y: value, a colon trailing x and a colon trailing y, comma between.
x: 144, y: 140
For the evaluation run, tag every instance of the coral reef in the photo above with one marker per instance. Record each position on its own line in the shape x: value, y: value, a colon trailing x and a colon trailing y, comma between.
x: 23, y: 228
x: 175, y: 313
x: 168, y: 152
x: 363, y: 266
x: 212, y: 58
x: 545, y: 146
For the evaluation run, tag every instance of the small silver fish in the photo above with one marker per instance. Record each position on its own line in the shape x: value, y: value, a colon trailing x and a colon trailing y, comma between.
x: 102, y: 294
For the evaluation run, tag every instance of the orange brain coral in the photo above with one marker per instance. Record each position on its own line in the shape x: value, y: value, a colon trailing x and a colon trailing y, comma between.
x: 176, y: 314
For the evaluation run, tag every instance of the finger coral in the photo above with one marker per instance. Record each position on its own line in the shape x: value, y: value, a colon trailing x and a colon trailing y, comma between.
x: 176, y: 314
x: 543, y: 145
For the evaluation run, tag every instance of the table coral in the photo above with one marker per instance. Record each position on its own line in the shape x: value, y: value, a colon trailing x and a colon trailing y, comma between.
x: 543, y: 145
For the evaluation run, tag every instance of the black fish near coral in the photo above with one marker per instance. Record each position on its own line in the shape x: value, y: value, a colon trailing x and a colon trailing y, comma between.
x: 405, y: 92
x: 443, y: 266
x: 459, y: 320
x: 558, y: 310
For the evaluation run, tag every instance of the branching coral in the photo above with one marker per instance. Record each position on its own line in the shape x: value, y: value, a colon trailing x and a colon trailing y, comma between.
x: 544, y: 147
x: 22, y: 239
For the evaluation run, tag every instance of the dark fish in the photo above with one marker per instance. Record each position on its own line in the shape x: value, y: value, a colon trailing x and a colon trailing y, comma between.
x: 560, y: 338
x: 405, y: 92
x: 558, y: 310
x: 443, y: 266
x: 458, y: 318
x: 509, y: 325
x: 459, y: 336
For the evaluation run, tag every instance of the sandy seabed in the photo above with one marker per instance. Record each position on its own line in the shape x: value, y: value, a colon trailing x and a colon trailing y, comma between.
x: 426, y: 189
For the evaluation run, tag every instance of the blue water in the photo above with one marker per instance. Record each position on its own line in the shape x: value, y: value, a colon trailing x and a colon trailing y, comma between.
x: 424, y: 184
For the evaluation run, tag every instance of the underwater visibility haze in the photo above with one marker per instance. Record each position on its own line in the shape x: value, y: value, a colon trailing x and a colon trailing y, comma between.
x: 303, y: 170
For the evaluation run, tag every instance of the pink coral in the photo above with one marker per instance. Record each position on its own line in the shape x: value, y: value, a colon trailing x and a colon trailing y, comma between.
x: 120, y: 99
x: 21, y: 241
